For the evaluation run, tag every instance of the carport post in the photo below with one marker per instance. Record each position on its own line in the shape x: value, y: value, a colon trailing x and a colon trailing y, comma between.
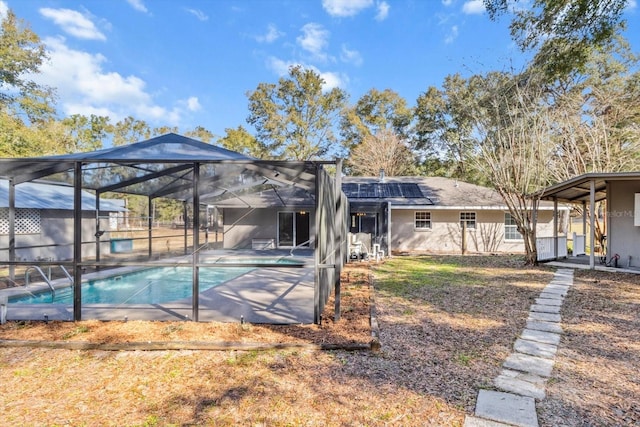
x: 592, y: 231
x: 555, y: 227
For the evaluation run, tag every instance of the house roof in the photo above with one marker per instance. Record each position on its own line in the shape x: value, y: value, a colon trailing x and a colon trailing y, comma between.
x: 434, y: 192
x: 41, y: 195
x: 578, y: 189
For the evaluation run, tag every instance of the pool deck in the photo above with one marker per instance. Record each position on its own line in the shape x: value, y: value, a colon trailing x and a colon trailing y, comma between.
x: 262, y: 295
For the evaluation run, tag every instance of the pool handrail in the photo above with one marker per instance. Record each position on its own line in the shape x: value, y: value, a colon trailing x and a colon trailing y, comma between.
x: 44, y: 276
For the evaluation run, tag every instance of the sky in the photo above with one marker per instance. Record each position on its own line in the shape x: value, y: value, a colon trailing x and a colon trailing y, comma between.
x: 191, y: 63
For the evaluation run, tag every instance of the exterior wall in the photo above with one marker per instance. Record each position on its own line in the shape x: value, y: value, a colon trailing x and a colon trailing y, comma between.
x: 445, y: 235
x: 55, y: 238
x: 623, y: 238
x: 241, y: 226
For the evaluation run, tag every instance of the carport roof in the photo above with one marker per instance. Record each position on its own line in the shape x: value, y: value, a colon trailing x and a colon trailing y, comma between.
x: 578, y: 189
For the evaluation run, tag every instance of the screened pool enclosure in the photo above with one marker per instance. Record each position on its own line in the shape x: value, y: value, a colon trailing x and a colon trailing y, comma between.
x: 170, y: 228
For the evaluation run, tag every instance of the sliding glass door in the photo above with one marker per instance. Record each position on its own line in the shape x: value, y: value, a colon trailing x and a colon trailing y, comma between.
x: 293, y: 229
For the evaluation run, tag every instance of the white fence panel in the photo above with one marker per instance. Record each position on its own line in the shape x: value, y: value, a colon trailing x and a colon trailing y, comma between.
x: 579, y: 244
x: 546, y: 248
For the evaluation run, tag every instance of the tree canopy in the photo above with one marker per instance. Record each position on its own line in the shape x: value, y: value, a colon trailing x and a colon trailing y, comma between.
x: 295, y: 118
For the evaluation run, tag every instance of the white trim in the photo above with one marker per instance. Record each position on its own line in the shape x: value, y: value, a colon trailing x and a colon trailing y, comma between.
x: 468, y: 208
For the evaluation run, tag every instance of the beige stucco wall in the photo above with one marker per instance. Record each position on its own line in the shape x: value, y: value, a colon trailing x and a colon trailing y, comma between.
x: 623, y: 238
x: 445, y: 235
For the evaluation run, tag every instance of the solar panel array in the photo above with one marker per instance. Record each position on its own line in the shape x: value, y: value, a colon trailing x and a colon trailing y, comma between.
x: 381, y: 190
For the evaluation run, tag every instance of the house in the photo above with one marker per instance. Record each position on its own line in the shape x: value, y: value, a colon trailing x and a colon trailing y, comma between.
x: 435, y: 215
x: 44, y: 221
x: 621, y: 194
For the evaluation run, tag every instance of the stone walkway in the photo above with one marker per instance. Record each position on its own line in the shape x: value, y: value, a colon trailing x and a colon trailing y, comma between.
x: 525, y: 372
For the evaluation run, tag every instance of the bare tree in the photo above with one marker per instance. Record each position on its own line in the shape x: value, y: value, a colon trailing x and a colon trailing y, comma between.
x: 515, y: 146
x: 384, y: 150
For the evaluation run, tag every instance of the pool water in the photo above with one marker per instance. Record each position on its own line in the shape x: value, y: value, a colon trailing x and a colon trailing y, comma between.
x: 149, y: 286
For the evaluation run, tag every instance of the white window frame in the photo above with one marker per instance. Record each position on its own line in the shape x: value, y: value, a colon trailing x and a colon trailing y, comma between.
x: 426, y: 221
x: 510, y: 227
x: 470, y: 218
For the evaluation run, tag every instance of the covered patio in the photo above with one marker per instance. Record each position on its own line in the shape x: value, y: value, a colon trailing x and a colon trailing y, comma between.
x: 621, y: 194
x: 264, y: 213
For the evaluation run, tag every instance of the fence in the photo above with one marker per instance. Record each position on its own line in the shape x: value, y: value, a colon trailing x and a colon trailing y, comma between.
x: 546, y: 247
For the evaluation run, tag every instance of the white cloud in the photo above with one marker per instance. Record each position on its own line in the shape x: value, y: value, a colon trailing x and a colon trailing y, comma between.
x: 453, y: 34
x: 198, y: 14
x: 631, y: 5
x: 193, y: 104
x: 280, y: 67
x: 3, y: 9
x: 383, y: 11
x: 473, y: 7
x: 138, y: 5
x: 447, y: 2
x: 350, y: 56
x: 344, y: 8
x: 74, y: 23
x: 314, y: 40
x: 84, y: 87
x: 331, y: 79
x: 271, y: 35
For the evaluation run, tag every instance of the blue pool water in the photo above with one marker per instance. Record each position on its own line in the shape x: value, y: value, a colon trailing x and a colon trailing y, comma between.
x: 149, y: 286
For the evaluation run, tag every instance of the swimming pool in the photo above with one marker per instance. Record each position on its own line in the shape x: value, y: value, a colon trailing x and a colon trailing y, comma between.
x: 148, y: 286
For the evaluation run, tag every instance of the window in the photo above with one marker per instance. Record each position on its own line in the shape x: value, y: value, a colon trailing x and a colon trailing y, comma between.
x: 423, y: 221
x: 510, y: 229
x: 468, y: 218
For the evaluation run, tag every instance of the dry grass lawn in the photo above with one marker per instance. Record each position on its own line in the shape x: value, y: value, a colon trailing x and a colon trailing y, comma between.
x: 446, y: 325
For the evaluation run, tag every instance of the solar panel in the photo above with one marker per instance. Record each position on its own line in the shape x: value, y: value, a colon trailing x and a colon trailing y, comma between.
x: 380, y: 190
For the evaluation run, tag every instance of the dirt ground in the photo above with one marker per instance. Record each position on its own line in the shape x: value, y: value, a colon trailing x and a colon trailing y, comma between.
x: 442, y: 336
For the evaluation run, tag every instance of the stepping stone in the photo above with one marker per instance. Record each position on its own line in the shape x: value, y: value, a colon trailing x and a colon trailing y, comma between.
x: 549, y: 301
x: 556, y: 291
x: 470, y: 421
x: 545, y: 317
x: 530, y: 364
x: 543, y: 308
x: 548, y: 295
x: 540, y: 336
x: 521, y: 383
x: 544, y: 326
x: 539, y: 349
x: 507, y: 408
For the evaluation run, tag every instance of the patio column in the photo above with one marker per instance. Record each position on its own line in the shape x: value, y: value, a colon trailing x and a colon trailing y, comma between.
x: 592, y: 231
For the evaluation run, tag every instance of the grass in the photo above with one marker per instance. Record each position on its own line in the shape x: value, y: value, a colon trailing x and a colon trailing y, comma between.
x: 446, y: 326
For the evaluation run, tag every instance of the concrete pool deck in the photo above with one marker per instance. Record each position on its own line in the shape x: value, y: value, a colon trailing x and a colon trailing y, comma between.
x: 262, y: 295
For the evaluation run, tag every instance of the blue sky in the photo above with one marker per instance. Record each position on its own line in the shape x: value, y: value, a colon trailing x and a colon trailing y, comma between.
x: 191, y: 63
